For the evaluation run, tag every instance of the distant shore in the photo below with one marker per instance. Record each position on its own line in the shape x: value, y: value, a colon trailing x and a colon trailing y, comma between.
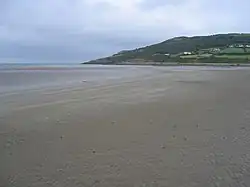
x: 174, y: 64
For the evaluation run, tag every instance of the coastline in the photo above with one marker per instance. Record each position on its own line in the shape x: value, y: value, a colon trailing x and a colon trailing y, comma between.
x: 175, y: 64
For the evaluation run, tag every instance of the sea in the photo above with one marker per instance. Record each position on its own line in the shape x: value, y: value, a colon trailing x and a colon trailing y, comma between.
x: 26, y: 76
x: 17, y: 77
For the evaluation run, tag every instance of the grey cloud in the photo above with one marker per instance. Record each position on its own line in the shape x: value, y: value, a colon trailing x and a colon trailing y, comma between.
x: 57, y: 44
x: 75, y: 30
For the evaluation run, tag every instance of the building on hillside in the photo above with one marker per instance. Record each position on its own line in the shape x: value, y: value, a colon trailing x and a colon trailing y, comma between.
x: 239, y: 46
x: 160, y: 54
x: 215, y: 50
x: 187, y: 53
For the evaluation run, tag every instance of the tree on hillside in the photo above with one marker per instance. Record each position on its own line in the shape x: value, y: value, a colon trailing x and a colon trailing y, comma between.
x: 245, y: 48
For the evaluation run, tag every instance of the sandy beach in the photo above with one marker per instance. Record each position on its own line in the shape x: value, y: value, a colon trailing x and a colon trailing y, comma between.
x: 154, y: 127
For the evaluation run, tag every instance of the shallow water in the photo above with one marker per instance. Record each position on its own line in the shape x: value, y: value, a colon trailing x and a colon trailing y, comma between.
x: 24, y: 77
x: 21, y: 77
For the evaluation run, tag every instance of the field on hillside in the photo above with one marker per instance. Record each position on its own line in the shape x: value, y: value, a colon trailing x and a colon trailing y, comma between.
x: 196, y: 56
x: 224, y: 54
x: 235, y: 50
x: 247, y: 56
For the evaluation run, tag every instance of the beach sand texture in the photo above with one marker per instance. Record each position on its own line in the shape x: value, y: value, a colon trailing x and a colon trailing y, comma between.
x: 163, y: 128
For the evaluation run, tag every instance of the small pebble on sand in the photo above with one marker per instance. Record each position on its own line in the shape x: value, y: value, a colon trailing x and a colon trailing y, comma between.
x: 224, y: 138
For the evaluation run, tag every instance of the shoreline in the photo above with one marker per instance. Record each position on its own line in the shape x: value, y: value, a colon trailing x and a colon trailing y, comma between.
x: 176, y: 64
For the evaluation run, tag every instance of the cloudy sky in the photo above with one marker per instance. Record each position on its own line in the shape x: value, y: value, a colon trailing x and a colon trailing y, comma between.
x: 78, y: 30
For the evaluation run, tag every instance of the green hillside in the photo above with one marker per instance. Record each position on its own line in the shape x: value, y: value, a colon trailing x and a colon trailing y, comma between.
x: 214, y: 48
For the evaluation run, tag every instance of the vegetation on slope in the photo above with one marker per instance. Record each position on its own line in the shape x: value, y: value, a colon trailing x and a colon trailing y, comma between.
x: 222, y: 48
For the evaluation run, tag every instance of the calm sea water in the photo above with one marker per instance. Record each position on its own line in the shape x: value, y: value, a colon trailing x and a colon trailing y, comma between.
x: 15, y: 66
x: 19, y: 77
x: 14, y: 77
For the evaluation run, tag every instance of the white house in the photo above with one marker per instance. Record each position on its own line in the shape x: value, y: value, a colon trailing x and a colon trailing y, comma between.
x: 215, y: 50
x: 187, y: 53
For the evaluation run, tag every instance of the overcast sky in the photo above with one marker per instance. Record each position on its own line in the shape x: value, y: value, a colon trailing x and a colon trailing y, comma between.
x: 78, y: 30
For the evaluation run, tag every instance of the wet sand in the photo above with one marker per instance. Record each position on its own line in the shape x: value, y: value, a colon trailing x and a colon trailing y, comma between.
x: 162, y: 128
